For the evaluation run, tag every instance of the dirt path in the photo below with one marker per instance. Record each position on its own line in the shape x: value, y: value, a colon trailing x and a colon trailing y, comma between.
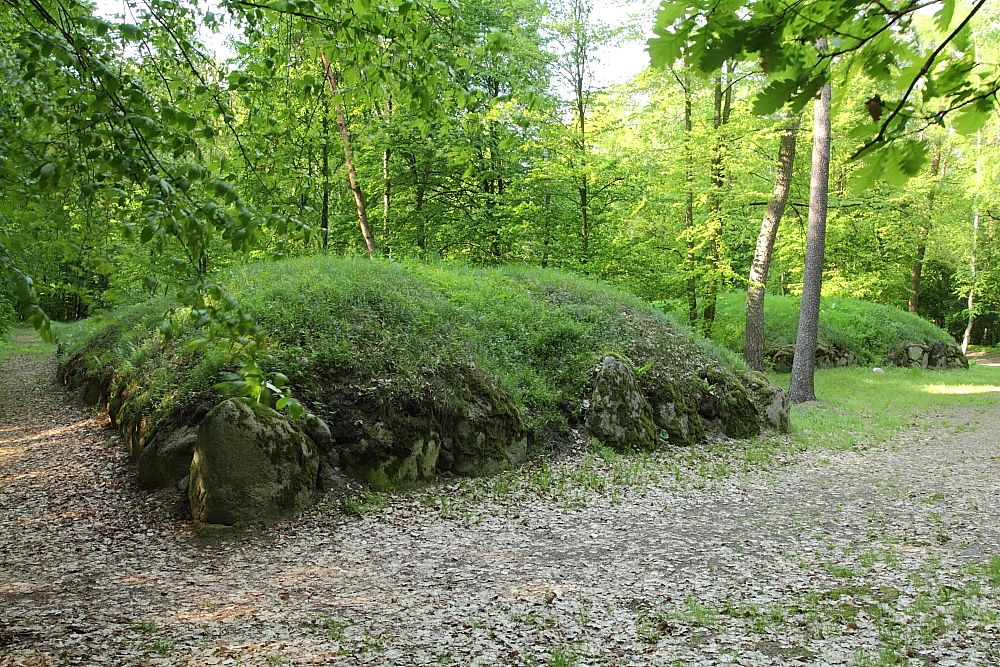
x: 851, y: 558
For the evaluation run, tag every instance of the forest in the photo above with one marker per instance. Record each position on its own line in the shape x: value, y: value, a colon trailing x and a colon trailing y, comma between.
x: 492, y: 332
x: 137, y: 160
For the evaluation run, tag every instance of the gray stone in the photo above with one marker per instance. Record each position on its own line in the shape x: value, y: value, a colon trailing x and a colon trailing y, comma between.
x: 777, y: 410
x: 318, y: 431
x: 166, y: 458
x: 250, y: 464
x: 619, y: 415
x: 915, y: 352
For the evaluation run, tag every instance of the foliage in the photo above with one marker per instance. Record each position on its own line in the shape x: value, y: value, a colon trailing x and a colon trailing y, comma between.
x: 8, y: 317
x: 795, y: 42
x: 871, y: 331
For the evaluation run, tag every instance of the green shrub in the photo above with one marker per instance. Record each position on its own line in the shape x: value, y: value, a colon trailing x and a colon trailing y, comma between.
x: 8, y: 317
x: 871, y: 331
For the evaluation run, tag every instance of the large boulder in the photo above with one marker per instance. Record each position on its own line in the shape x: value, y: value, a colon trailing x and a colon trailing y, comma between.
x: 166, y: 458
x: 618, y: 414
x: 461, y: 422
x: 773, y: 403
x: 250, y: 464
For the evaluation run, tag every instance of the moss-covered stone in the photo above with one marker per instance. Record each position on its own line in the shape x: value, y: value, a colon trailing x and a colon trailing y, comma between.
x: 618, y: 414
x: 250, y: 464
x: 475, y: 429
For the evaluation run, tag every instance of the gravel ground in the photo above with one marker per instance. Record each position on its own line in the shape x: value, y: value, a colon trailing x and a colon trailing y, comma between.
x: 880, y: 557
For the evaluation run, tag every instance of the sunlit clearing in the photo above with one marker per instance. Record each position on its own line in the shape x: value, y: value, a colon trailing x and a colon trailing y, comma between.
x: 960, y: 389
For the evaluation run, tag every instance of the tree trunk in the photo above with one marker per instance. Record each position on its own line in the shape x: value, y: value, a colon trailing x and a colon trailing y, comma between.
x: 967, y: 337
x: 689, y: 257
x: 386, y: 196
x: 918, y: 266
x: 352, y: 174
x: 913, y: 304
x: 802, y: 386
x: 325, y: 213
x: 753, y: 350
x: 419, y: 188
x: 584, y: 189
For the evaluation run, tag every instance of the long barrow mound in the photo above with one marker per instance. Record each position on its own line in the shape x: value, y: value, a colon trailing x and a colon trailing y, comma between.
x: 407, y: 372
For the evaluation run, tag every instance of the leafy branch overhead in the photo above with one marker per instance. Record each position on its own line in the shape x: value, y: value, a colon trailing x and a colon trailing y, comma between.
x: 915, y: 61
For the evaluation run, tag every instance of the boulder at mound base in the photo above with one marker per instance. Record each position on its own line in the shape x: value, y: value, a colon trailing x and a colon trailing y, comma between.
x: 772, y: 402
x: 474, y: 430
x: 250, y: 464
x: 166, y: 459
x: 827, y: 356
x: 938, y: 355
x: 618, y: 413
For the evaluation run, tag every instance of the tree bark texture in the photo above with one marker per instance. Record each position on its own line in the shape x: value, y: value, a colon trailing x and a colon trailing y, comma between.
x: 753, y: 350
x: 802, y: 386
x: 352, y: 174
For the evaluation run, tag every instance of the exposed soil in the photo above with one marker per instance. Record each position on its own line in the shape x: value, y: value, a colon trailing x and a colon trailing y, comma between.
x: 827, y: 559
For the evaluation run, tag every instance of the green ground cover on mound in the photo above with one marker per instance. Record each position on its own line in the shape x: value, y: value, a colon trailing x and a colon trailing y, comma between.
x: 871, y: 331
x: 378, y: 348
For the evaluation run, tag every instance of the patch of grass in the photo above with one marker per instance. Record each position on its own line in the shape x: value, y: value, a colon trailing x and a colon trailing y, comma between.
x: 23, y: 341
x: 561, y: 657
x: 363, y: 503
x: 334, y: 628
x: 858, y: 408
x: 163, y: 646
x: 145, y: 626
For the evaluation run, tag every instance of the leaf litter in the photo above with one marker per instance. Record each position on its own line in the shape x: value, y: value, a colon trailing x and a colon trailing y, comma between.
x: 877, y: 557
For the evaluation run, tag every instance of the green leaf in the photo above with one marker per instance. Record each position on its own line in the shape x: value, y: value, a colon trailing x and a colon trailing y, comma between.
x: 944, y: 15
x: 774, y: 96
x: 974, y: 116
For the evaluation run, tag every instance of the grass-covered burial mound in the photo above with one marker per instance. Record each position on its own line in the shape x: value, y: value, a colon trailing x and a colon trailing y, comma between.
x: 409, y: 371
x: 851, y: 331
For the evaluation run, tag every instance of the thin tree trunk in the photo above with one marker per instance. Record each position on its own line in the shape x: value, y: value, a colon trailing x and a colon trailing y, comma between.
x: 352, y: 174
x: 325, y: 213
x: 753, y: 350
x: 918, y: 266
x: 689, y: 258
x: 802, y: 386
x: 386, y: 196
x: 386, y: 181
x: 913, y: 304
x: 967, y: 337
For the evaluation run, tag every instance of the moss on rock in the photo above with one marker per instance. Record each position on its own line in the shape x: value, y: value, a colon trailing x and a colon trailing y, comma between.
x: 250, y: 464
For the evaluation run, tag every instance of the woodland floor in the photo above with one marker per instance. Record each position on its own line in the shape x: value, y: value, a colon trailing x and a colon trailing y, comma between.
x: 883, y: 556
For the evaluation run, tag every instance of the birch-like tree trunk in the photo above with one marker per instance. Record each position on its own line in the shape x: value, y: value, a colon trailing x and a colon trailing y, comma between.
x: 970, y: 302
